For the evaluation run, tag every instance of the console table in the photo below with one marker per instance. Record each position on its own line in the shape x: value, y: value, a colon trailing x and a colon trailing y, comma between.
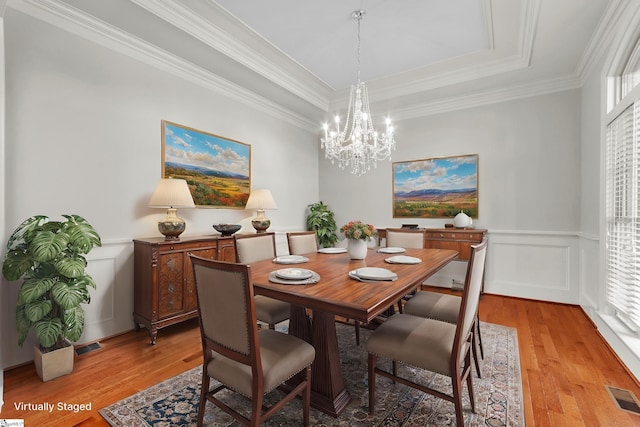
x: 459, y: 239
x: 164, y: 291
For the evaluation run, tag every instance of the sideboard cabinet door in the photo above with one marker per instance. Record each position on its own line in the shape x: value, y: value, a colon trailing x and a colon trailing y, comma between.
x: 164, y: 290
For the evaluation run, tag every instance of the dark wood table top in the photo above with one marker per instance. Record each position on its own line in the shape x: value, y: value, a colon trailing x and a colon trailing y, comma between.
x: 341, y: 295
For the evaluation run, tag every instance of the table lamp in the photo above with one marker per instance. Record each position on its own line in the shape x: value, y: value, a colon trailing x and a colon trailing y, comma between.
x: 171, y: 194
x: 261, y: 199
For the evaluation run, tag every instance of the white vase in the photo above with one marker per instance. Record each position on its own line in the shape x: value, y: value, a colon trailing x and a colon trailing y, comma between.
x: 357, y: 249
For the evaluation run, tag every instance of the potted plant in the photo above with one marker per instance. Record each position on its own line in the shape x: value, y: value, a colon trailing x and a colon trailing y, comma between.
x: 357, y: 233
x: 49, y: 257
x: 322, y: 221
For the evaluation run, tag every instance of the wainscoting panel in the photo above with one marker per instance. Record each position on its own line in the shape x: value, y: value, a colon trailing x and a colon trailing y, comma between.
x: 542, y: 266
x: 111, y: 307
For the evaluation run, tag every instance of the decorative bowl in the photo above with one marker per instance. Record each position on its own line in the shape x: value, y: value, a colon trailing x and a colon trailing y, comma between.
x: 227, y: 229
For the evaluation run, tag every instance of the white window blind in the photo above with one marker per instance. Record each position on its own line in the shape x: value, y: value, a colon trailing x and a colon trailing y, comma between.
x: 623, y: 215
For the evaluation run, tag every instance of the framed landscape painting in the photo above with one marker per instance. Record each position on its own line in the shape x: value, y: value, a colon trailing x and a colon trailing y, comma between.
x: 436, y: 188
x: 217, y: 169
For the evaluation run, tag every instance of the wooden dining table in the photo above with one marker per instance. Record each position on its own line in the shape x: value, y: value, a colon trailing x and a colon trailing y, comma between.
x: 315, y: 306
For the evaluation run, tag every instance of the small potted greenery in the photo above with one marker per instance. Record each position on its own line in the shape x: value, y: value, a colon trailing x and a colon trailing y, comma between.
x: 49, y: 257
x: 321, y: 220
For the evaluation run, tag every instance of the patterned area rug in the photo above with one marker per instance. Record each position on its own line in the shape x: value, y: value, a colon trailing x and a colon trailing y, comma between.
x: 498, y: 394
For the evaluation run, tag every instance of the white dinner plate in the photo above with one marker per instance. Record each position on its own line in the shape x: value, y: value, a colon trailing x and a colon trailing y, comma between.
x: 403, y: 259
x: 374, y: 273
x: 391, y: 250
x: 290, y: 259
x: 332, y: 250
x: 294, y: 273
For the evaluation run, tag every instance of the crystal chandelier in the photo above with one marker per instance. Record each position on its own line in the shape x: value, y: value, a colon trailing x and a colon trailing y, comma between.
x: 358, y: 145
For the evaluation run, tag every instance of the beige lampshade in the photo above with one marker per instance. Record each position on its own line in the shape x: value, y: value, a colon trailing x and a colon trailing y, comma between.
x: 261, y: 199
x: 171, y: 194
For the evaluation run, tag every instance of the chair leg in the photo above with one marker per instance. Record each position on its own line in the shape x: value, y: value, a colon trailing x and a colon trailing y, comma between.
x: 457, y: 399
x: 474, y: 351
x: 400, y: 306
x: 479, y: 337
x: 357, y: 326
x: 472, y: 398
x: 203, y: 399
x: 372, y: 361
x: 306, y: 398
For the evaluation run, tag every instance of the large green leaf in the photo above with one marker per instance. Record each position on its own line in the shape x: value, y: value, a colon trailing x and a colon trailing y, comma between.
x: 48, y: 245
x: 67, y: 296
x: 16, y: 263
x: 82, y: 236
x: 36, y: 311
x: 23, y: 324
x: 26, y: 230
x: 73, y: 323
x: 32, y: 289
x: 71, y: 265
x: 48, y: 330
x: 84, y: 281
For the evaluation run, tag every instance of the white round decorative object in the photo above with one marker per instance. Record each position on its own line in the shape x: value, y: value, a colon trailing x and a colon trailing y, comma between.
x: 462, y: 220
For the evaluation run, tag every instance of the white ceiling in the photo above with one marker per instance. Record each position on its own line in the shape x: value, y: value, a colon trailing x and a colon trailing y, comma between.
x: 418, y: 56
x: 395, y: 35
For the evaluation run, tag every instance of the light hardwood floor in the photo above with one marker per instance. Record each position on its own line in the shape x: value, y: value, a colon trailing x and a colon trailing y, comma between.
x: 565, y: 366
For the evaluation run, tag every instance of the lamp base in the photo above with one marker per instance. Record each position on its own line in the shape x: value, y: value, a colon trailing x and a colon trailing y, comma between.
x: 171, y: 230
x: 171, y: 226
x: 261, y: 225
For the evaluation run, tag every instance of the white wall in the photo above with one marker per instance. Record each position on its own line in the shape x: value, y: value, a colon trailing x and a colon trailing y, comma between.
x: 529, y: 189
x: 83, y: 136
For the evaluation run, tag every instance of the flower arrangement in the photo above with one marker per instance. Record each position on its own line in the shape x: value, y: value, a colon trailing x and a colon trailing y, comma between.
x: 358, y: 230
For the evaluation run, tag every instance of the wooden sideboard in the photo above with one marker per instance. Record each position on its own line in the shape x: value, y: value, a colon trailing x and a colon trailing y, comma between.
x: 164, y: 291
x: 459, y: 239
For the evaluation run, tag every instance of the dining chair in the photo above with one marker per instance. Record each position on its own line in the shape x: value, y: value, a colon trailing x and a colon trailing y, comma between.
x: 256, y: 247
x: 240, y: 357
x: 445, y: 307
x: 432, y: 345
x: 405, y: 238
x: 302, y: 242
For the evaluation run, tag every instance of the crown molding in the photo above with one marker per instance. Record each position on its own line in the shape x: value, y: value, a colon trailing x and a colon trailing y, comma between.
x: 487, y: 97
x: 71, y: 19
x: 602, y: 37
x: 249, y: 52
x: 417, y: 81
x: 530, y: 14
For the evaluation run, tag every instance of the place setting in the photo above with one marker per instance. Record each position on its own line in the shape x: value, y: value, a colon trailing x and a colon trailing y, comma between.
x: 402, y: 259
x: 290, y: 259
x: 373, y: 274
x: 332, y: 250
x: 294, y: 276
x: 391, y: 250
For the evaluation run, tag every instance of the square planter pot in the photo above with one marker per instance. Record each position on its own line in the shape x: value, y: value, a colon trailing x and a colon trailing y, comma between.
x: 53, y: 364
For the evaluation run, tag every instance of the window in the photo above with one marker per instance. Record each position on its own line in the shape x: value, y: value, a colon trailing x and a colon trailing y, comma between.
x: 623, y: 195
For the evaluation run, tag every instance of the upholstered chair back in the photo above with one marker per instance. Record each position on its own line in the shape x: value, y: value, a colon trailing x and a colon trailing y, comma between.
x: 473, y: 286
x: 302, y: 242
x: 255, y: 247
x: 224, y: 298
x: 405, y: 238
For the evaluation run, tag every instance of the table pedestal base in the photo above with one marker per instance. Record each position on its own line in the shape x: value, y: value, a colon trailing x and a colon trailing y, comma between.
x: 328, y: 393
